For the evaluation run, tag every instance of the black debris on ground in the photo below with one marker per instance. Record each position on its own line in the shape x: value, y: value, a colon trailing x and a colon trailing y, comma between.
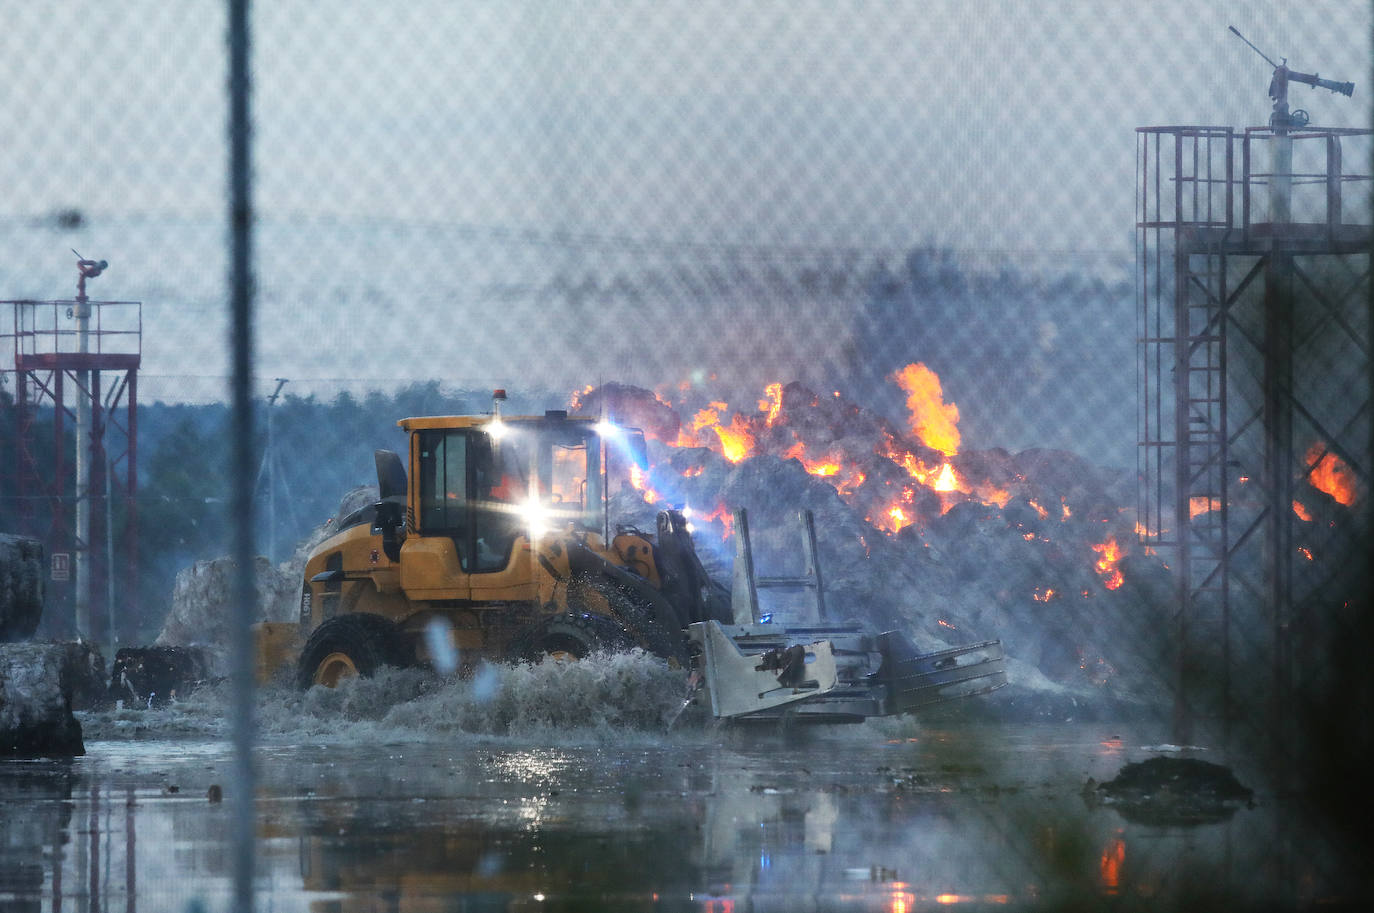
x: 1166, y: 791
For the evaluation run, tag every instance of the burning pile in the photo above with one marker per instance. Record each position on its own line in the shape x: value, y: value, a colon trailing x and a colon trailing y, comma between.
x: 915, y: 532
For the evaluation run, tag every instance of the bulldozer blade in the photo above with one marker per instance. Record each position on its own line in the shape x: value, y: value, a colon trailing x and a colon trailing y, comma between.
x: 911, y: 680
x: 741, y: 684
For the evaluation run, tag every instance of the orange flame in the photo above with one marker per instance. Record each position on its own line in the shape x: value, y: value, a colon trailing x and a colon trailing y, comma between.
x: 1110, y: 865
x: 692, y: 472
x: 933, y: 420
x: 989, y: 495
x: 640, y: 480
x: 946, y: 480
x: 1303, y: 513
x: 737, y: 441
x: 1046, y: 596
x: 847, y: 478
x: 1201, y: 504
x: 1331, y: 475
x: 1106, y: 565
x: 892, y: 520
x: 727, y: 519
x: 1040, y: 510
x: 771, y: 403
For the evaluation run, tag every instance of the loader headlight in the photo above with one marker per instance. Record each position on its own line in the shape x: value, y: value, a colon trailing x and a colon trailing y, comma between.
x: 535, y: 516
x: 608, y: 430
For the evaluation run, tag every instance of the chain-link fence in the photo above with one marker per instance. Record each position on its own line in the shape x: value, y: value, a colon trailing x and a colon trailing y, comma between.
x: 818, y: 228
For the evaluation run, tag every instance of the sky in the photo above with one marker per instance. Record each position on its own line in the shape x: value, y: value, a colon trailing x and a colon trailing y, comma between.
x: 458, y: 190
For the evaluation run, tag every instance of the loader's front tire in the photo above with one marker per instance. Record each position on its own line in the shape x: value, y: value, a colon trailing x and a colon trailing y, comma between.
x: 348, y: 646
x: 634, y: 619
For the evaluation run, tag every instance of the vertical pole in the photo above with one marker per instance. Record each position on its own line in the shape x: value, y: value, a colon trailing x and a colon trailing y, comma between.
x: 57, y: 528
x: 271, y: 486
x: 81, y: 551
x: 1183, y: 458
x: 24, y: 442
x: 744, y: 595
x: 241, y: 307
x: 1281, y: 185
x: 270, y: 461
x: 130, y: 854
x: 130, y: 493
x: 1278, y: 490
x: 1182, y: 713
x: 109, y: 560
x: 813, y: 560
x: 97, y: 505
x: 1334, y: 216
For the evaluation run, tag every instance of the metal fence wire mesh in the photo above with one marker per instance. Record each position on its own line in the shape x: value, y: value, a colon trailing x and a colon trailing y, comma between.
x: 834, y: 229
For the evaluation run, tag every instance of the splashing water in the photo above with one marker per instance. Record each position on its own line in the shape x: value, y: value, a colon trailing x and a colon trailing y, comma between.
x: 603, y: 698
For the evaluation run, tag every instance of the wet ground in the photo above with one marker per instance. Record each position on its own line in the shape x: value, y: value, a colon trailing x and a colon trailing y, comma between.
x: 395, y: 807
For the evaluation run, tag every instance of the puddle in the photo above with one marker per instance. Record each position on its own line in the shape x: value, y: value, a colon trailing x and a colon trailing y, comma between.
x: 524, y: 792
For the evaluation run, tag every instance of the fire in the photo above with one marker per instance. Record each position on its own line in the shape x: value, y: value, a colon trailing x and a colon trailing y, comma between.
x: 933, y: 421
x: 640, y: 480
x: 989, y: 495
x: 848, y: 486
x: 1046, y: 596
x: 898, y: 518
x: 1331, y: 474
x: 707, y: 418
x: 1303, y: 513
x: 1110, y: 865
x: 771, y: 403
x: 1067, y: 513
x: 1201, y: 504
x: 726, y: 519
x: 737, y: 441
x: 1305, y: 552
x: 1106, y: 565
x: 852, y: 463
x: 816, y: 467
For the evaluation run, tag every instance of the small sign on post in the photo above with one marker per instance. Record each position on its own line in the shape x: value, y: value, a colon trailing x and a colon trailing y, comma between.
x: 61, y: 566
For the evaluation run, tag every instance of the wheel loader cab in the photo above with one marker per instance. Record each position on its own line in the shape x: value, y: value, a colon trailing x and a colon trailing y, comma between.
x: 484, y: 489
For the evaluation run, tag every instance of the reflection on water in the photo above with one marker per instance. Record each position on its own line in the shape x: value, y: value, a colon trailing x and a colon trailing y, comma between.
x: 988, y: 818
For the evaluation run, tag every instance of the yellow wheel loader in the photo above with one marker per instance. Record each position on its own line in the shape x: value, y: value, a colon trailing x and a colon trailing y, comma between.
x: 491, y: 541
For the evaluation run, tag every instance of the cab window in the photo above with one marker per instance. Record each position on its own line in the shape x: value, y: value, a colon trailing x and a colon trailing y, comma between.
x: 443, y: 487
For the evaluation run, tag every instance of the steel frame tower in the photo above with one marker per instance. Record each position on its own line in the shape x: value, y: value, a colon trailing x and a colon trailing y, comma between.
x: 1254, y: 382
x: 76, y: 361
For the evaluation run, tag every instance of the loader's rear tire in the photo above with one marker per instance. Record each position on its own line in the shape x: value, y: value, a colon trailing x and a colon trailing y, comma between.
x: 348, y: 646
x: 571, y: 637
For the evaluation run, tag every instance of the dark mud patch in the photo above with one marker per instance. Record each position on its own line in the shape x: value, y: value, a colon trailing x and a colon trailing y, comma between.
x: 1173, y: 791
